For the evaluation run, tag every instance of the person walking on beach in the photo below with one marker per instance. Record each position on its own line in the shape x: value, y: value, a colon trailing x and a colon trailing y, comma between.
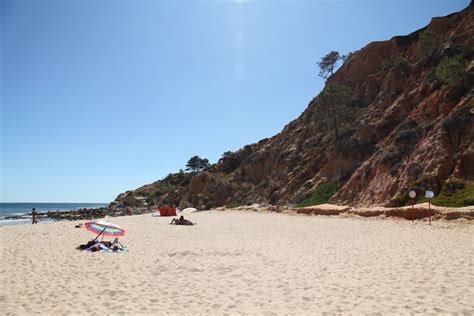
x: 33, y: 217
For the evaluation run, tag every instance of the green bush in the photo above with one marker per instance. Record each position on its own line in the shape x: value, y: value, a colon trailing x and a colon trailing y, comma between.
x: 450, y: 69
x: 400, y: 62
x: 427, y: 45
x: 391, y: 157
x: 420, y: 186
x: 321, y: 195
x: 230, y: 162
x: 407, y: 136
x: 163, y: 189
x: 400, y: 200
x: 458, y: 125
x: 234, y: 204
x: 456, y: 193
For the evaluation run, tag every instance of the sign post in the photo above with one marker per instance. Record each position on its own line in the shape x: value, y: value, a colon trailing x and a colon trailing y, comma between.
x: 412, y: 194
x: 429, y: 194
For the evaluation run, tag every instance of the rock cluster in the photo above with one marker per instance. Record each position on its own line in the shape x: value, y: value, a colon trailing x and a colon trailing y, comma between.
x: 90, y: 214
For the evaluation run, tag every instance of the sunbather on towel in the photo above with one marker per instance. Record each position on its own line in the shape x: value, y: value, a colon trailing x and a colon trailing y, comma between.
x: 93, y: 246
x: 103, y: 246
x: 117, y: 246
x: 99, y: 246
x: 182, y: 221
x: 85, y: 246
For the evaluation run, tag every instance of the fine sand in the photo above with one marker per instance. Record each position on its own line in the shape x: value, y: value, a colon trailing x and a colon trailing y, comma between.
x: 241, y: 262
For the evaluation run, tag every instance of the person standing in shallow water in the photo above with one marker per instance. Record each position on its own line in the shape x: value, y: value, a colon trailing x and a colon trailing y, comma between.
x: 33, y: 217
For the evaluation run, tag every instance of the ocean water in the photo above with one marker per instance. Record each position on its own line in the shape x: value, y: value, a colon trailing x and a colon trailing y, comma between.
x: 23, y: 209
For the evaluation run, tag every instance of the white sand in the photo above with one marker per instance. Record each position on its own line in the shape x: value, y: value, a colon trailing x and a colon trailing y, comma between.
x: 239, y: 262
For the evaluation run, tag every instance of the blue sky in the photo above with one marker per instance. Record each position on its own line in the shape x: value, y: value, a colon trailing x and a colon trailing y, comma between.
x: 98, y: 97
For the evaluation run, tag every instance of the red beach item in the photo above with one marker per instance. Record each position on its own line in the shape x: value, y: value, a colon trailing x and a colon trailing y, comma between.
x: 167, y: 211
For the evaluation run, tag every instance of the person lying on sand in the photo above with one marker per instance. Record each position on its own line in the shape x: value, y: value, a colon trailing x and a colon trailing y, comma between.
x: 182, y: 221
x: 94, y: 246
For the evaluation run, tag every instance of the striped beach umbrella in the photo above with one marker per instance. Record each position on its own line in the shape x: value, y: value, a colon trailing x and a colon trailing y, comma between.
x: 105, y: 228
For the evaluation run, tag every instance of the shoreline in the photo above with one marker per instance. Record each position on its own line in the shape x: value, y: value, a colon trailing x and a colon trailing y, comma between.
x: 71, y: 215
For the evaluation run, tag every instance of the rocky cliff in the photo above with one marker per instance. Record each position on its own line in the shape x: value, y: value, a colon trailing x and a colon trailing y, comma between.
x: 414, y: 131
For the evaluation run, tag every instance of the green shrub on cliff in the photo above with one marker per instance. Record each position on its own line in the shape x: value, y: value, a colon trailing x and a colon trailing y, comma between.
x: 230, y: 161
x: 400, y: 62
x: 458, y: 126
x: 456, y: 193
x: 163, y: 189
x: 234, y: 204
x: 450, y: 69
x: 427, y: 45
x: 400, y: 200
x: 321, y: 195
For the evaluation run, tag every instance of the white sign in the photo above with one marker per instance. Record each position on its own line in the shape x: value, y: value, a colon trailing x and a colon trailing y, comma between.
x: 412, y: 194
x: 429, y: 194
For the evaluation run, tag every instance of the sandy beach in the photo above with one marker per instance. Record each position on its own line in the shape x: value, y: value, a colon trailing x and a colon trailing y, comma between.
x: 241, y: 262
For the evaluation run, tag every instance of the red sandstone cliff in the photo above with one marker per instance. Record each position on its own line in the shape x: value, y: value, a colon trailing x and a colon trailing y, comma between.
x: 409, y: 134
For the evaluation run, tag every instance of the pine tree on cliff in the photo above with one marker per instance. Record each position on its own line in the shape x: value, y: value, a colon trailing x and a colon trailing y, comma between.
x: 328, y: 64
x: 333, y: 109
x: 197, y: 163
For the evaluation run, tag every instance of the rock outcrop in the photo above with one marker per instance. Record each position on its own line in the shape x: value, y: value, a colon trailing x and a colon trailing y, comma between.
x: 414, y: 131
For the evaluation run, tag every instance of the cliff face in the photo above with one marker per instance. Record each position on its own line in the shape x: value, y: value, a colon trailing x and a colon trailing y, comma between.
x: 413, y: 131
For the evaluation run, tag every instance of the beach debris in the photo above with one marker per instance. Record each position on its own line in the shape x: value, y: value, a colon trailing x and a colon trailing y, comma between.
x: 188, y: 210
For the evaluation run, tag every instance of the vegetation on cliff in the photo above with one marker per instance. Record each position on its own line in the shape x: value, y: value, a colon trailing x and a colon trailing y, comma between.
x: 328, y: 64
x: 334, y: 109
x: 321, y: 195
x: 197, y: 163
x: 427, y: 45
